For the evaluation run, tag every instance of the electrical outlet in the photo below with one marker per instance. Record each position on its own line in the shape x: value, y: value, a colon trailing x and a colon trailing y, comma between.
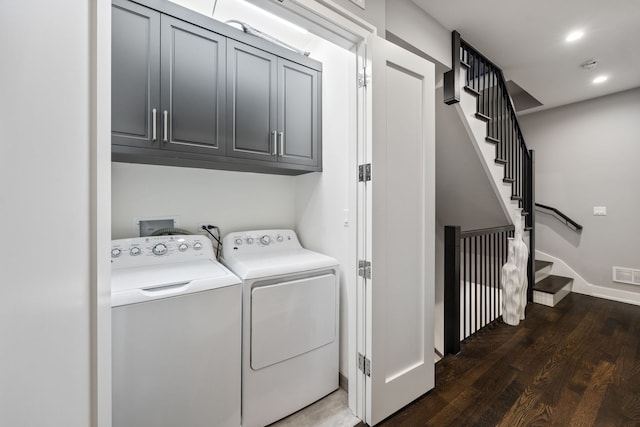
x: 600, y: 210
x: 201, y: 230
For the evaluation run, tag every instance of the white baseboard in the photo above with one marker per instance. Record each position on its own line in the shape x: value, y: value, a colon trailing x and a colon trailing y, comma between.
x: 581, y: 286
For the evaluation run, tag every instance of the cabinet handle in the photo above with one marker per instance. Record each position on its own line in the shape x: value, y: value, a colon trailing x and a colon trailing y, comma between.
x: 274, y: 143
x: 166, y: 114
x: 281, y: 136
x: 154, y: 125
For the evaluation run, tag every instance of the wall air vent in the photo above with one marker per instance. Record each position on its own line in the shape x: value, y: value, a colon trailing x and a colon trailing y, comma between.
x: 626, y: 275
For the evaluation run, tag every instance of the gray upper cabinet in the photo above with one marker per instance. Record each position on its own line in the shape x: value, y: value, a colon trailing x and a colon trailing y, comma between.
x: 252, y: 119
x: 135, y: 74
x: 273, y: 111
x: 190, y: 91
x: 168, y: 82
x: 193, y: 88
x: 298, y: 114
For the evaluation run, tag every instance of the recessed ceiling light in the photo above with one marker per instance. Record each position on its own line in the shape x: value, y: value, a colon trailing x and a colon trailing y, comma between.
x: 600, y: 79
x: 574, y: 35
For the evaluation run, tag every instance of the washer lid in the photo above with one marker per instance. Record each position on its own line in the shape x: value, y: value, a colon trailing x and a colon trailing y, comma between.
x: 139, y: 284
x: 258, y: 265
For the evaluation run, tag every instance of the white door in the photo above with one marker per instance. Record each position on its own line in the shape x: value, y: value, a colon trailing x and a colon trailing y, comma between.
x: 400, y: 230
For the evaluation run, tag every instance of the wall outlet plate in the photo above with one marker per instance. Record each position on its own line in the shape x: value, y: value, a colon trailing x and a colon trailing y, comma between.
x: 600, y: 210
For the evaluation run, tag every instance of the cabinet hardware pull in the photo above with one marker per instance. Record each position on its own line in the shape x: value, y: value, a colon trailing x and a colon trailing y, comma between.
x: 274, y: 143
x: 165, y: 126
x: 281, y: 136
x: 154, y: 125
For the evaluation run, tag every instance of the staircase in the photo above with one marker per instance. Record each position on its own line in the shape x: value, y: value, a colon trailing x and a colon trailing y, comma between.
x: 477, y: 89
x: 549, y: 289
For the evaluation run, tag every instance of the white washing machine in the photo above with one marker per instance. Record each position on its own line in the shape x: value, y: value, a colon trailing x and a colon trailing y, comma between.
x: 176, y: 330
x: 289, y: 323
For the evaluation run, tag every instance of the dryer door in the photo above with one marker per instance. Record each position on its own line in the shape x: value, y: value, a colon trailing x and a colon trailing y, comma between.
x: 292, y: 318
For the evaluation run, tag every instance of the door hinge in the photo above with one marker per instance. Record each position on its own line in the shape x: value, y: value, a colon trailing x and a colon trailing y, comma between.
x: 364, y: 172
x: 363, y: 78
x: 364, y: 269
x: 364, y: 365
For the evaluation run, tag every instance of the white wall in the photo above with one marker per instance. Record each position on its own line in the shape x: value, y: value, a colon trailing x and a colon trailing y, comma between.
x: 45, y: 208
x: 231, y: 200
x: 464, y: 192
x: 322, y: 198
x: 373, y: 12
x: 407, y: 21
x: 587, y: 155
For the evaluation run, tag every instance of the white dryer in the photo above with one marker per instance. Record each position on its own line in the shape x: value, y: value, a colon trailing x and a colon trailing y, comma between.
x: 289, y: 323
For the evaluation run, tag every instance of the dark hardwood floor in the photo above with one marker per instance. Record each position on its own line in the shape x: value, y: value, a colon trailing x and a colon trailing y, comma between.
x: 577, y: 364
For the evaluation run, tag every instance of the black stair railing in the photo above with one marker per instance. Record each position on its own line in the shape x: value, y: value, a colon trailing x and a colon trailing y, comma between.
x: 560, y: 216
x: 472, y: 293
x: 485, y: 80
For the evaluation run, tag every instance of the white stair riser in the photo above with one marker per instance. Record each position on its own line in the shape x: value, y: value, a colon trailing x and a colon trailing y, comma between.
x: 542, y: 273
x: 550, y: 300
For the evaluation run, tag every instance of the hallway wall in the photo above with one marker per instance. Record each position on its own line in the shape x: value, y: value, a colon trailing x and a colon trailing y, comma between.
x: 587, y: 155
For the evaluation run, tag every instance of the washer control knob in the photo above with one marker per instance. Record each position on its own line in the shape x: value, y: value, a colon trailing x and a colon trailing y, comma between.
x: 183, y: 247
x: 159, y: 249
x: 265, y: 240
x: 238, y: 241
x: 197, y: 246
x: 280, y: 238
x: 135, y: 251
x: 115, y: 253
x: 249, y: 240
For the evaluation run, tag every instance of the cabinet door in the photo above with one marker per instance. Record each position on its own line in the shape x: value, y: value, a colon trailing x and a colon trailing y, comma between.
x: 135, y: 74
x: 252, y: 107
x: 298, y: 114
x: 193, y: 81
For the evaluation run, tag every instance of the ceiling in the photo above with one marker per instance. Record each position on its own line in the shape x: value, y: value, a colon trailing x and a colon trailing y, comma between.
x: 527, y: 40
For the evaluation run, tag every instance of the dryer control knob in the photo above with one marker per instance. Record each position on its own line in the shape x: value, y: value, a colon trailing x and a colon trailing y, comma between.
x: 197, y: 246
x: 135, y: 251
x: 159, y: 249
x: 115, y: 253
x: 265, y: 240
x: 279, y: 238
x: 183, y: 247
x: 238, y: 241
x: 249, y: 240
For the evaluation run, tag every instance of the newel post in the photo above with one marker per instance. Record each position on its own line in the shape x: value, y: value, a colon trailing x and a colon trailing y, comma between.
x: 531, y: 195
x: 451, y: 289
x: 451, y: 89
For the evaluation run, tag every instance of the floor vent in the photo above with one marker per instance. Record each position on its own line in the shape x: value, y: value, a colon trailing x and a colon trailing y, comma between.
x: 626, y: 275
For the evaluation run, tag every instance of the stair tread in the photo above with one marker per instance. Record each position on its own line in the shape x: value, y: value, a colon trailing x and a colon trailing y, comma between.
x: 552, y: 284
x: 542, y: 264
x: 492, y: 140
x: 483, y: 117
x: 471, y: 90
x: 501, y: 161
x: 508, y: 180
x: 464, y: 64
